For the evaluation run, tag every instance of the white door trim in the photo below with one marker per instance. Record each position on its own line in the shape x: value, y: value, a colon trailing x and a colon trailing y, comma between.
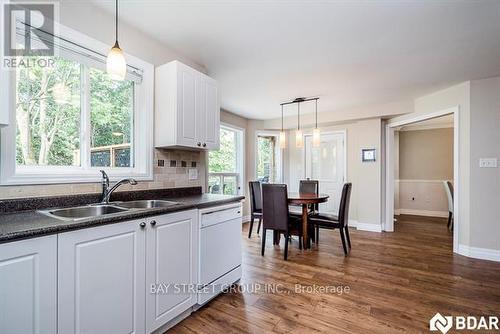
x: 388, y: 225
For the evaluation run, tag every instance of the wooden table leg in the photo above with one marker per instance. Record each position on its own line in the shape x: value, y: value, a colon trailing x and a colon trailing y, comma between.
x: 305, y: 242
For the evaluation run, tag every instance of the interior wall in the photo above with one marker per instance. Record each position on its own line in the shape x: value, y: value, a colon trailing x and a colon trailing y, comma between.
x: 426, y: 154
x: 94, y: 22
x: 425, y: 160
x: 365, y: 177
x: 485, y: 182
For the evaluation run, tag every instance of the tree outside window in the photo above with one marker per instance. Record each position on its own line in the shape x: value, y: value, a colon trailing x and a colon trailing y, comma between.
x: 50, y: 104
x: 224, y: 164
x: 266, y: 159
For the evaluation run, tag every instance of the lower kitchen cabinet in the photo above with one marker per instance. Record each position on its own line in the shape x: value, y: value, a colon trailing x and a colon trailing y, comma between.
x: 28, y: 286
x: 102, y: 279
x: 171, y: 266
x: 101, y: 287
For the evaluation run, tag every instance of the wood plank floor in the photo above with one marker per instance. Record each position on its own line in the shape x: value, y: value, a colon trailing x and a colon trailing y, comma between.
x: 397, y: 282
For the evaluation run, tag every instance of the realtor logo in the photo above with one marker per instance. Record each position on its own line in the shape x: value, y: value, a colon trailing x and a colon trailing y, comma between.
x: 28, y: 29
x: 460, y: 322
x: 443, y: 324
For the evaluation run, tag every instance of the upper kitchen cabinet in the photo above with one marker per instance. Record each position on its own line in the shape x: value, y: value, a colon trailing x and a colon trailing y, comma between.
x: 187, y: 112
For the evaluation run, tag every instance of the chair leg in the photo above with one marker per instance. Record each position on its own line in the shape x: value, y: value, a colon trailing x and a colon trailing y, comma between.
x: 342, y: 237
x: 258, y: 226
x: 300, y: 242
x: 286, y: 246
x: 251, y: 227
x: 263, y: 241
x: 449, y: 219
x: 317, y: 234
x: 348, y: 237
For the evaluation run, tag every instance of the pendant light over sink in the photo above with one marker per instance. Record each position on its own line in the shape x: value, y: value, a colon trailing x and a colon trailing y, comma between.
x: 116, y: 66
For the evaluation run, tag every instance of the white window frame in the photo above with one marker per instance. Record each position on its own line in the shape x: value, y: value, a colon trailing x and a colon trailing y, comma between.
x: 279, y: 153
x: 142, y: 149
x: 240, y: 159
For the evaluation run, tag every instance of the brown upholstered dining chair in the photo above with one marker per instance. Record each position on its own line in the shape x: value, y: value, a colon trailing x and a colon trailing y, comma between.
x: 276, y: 216
x: 306, y: 186
x: 255, y: 205
x: 328, y: 221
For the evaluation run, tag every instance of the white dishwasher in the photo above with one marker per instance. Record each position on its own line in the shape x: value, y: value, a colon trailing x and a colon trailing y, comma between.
x: 220, y: 249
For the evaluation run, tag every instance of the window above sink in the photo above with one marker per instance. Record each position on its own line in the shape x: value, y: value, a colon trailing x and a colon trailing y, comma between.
x: 70, y: 119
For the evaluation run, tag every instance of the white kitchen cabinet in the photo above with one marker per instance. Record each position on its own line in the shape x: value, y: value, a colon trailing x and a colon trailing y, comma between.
x: 171, y: 266
x: 28, y: 286
x: 187, y: 112
x: 101, y: 286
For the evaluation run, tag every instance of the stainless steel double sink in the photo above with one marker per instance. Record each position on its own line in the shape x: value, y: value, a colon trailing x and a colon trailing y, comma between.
x: 97, y: 210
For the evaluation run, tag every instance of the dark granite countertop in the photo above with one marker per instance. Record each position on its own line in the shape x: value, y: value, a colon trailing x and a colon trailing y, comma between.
x: 31, y: 223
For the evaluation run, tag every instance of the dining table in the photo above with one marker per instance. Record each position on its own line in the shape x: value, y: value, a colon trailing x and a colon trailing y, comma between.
x: 304, y: 200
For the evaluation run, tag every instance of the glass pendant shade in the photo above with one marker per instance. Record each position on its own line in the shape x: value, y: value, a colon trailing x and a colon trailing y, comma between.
x: 316, y: 137
x: 116, y: 66
x: 299, y: 139
x: 282, y: 140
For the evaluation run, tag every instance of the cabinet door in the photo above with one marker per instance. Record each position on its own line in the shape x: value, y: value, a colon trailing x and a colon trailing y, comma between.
x: 212, y: 115
x: 186, y: 108
x: 171, y: 266
x: 201, y: 111
x: 28, y: 286
x: 101, y: 279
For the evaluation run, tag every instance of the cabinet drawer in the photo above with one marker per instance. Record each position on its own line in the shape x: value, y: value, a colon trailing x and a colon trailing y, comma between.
x: 218, y: 215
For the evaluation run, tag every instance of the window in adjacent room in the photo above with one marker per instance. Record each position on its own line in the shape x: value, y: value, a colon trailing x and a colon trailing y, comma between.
x: 268, y: 154
x: 225, y: 166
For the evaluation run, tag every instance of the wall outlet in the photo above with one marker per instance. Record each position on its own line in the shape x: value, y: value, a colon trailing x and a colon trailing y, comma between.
x: 192, y: 174
x: 488, y: 162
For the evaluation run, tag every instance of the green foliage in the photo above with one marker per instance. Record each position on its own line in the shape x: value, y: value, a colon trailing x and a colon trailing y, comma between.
x: 45, y: 111
x: 111, y: 108
x: 49, y: 107
x: 266, y: 151
x: 224, y: 160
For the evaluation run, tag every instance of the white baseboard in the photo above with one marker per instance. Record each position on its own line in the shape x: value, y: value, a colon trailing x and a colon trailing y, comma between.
x: 397, y: 212
x: 425, y: 213
x: 246, y: 219
x: 365, y: 226
x: 479, y: 253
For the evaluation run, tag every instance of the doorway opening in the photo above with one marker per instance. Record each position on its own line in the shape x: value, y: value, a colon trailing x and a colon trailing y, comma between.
x: 422, y: 174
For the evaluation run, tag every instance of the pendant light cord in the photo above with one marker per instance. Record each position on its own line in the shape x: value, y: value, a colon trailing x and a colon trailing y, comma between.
x: 298, y: 116
x: 316, y: 114
x: 281, y: 118
x: 116, y: 21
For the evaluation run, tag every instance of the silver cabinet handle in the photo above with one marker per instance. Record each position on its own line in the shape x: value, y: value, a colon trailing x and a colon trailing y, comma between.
x: 142, y: 225
x: 199, y: 144
x: 204, y: 144
x: 153, y: 223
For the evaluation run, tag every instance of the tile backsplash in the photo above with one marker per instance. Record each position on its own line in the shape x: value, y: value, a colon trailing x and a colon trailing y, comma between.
x: 169, y: 174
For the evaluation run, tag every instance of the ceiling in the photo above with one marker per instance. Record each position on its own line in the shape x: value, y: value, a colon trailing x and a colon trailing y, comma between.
x: 349, y: 54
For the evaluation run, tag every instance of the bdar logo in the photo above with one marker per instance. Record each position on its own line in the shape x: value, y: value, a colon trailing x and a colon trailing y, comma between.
x: 440, y: 323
